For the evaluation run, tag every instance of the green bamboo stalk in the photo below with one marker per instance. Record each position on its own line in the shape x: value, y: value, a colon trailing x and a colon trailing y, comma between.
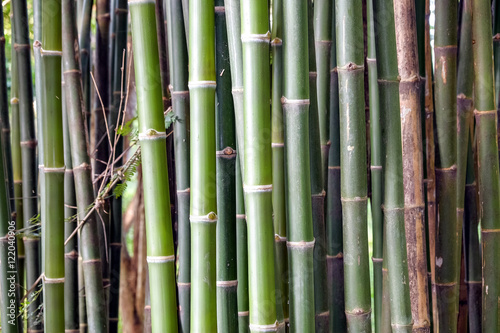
x: 464, y: 123
x: 496, y: 46
x: 91, y: 264
x: 375, y: 168
x: 203, y: 207
x: 410, y: 96
x: 335, y: 257
x: 180, y: 104
x: 28, y: 148
x: 278, y: 151
x: 487, y: 152
x: 71, y: 315
x: 152, y: 138
x: 84, y: 30
x: 401, y: 316
x: 323, y: 45
x: 118, y: 81
x: 446, y: 165
x: 353, y: 164
x: 385, y: 316
x: 225, y: 145
x: 316, y: 151
x: 9, y: 274
x: 53, y: 161
x: 471, y: 245
x: 17, y: 165
x: 241, y: 254
x: 300, y: 239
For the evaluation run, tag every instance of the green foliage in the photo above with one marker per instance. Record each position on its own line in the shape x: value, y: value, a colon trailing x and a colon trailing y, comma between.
x: 126, y: 175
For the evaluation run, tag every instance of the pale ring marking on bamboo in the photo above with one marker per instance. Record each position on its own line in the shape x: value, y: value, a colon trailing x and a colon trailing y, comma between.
x: 411, y: 79
x: 264, y: 328
x: 375, y: 167
x: 259, y: 38
x: 152, y: 134
x: 113, y: 319
x: 487, y: 231
x: 21, y: 46
x: 377, y: 259
x: 228, y: 151
x: 54, y: 53
x: 313, y: 74
x: 187, y: 190
x: 180, y: 93
x: 160, y: 259
x: 184, y: 284
x: 350, y: 66
x: 301, y: 244
x: 257, y: 188
x: 54, y: 170
x: 337, y: 256
x: 232, y: 283
x: 276, y: 41
x: 323, y: 314
x: 485, y: 112
x: 241, y: 216
x: 243, y: 313
x: 138, y: 2
x: 354, y: 199
x: 279, y: 238
x: 84, y: 166
x: 52, y: 280
x: 121, y: 11
x: 210, y: 217
x: 237, y: 90
x: 277, y: 144
x: 14, y: 100
x: 201, y: 84
x: 72, y: 71
x: 334, y: 167
x: 323, y: 41
x: 285, y: 100
x: 220, y: 9
x: 322, y: 194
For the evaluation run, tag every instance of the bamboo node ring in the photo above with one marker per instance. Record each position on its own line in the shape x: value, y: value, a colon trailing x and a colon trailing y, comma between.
x: 160, y: 259
x: 54, y: 53
x: 264, y: 328
x: 485, y: 112
x: 201, y: 84
x: 232, y: 283
x: 52, y: 280
x: 220, y: 9
x: 14, y: 100
x: 302, y: 244
x: 258, y: 38
x: 210, y: 217
x: 152, y: 134
x: 276, y: 41
x: 285, y: 101
x: 257, y: 188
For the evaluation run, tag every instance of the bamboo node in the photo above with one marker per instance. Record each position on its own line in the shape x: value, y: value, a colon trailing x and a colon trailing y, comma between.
x: 241, y: 216
x: 152, y: 134
x: 355, y: 199
x: 279, y: 238
x: 485, y: 112
x: 258, y: 38
x: 29, y: 143
x: 371, y: 60
x: 220, y: 10
x: 138, y: 2
x: 21, y: 46
x: 14, y: 100
x: 228, y: 151
x: 54, y: 53
x: 277, y: 144
x: 301, y: 244
x: 209, y: 218
x: 180, y: 93
x: 232, y: 283
x: 323, y: 314
x: 257, y: 188
x: 202, y: 84
x: 377, y: 259
x: 276, y: 41
x: 285, y: 101
x: 313, y: 74
x: 264, y: 328
x: 160, y: 259
x: 350, y: 66
x: 496, y: 37
x: 54, y: 170
x: 333, y: 167
x: 52, y: 280
x: 121, y: 11
x: 339, y: 255
x: 187, y: 190
x: 487, y: 231
x: 243, y: 313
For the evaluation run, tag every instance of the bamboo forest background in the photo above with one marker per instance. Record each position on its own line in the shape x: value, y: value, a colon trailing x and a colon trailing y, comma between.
x: 250, y: 166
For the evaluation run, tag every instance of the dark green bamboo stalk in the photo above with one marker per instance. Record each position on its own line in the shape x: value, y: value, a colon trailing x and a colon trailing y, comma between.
x: 278, y: 151
x: 300, y: 238
x: 118, y: 80
x: 447, y: 258
x: 487, y: 152
x: 152, y: 137
x: 353, y: 164
x: 96, y: 307
x: 53, y: 162
x: 496, y: 46
x: 203, y: 208
x: 17, y: 165
x: 410, y: 96
x: 335, y: 257
x: 376, y: 168
x: 85, y: 55
x: 316, y: 151
x: 71, y: 315
x: 471, y: 245
x: 9, y: 274
x: 180, y: 104
x: 401, y: 319
x: 28, y: 148
x: 241, y: 254
x: 323, y: 46
x: 464, y: 123
x: 225, y: 145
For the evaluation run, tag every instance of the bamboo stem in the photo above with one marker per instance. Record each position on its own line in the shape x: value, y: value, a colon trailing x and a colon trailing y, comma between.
x: 487, y: 152
x: 410, y: 96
